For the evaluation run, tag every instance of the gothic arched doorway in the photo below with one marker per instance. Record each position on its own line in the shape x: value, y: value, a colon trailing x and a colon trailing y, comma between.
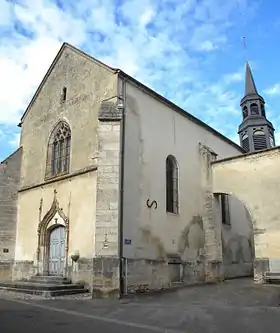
x: 53, y: 235
x: 57, y: 250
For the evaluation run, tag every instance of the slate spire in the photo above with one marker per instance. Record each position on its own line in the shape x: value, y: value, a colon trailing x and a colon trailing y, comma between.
x: 256, y: 132
x: 250, y: 86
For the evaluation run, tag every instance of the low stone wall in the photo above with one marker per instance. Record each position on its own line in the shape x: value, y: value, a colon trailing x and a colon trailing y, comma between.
x: 106, y: 281
x: 261, y: 266
x: 23, y: 270
x: 145, y: 275
x: 81, y: 272
x: 238, y: 270
x: 6, y: 270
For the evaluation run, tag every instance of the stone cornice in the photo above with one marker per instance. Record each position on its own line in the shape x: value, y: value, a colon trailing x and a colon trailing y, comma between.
x: 59, y: 178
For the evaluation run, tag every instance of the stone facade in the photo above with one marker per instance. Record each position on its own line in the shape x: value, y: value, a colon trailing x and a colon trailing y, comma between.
x: 9, y: 185
x: 111, y: 200
x: 106, y: 279
x: 69, y: 199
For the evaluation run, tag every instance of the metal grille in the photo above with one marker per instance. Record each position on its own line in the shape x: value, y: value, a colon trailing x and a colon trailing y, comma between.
x: 172, y: 203
x: 259, y: 140
x: 245, y: 143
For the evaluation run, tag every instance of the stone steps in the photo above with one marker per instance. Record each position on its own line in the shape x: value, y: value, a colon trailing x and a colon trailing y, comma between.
x: 49, y: 279
x: 46, y: 286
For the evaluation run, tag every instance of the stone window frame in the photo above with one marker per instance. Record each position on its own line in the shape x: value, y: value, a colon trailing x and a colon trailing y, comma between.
x: 59, y: 151
x: 172, y: 185
x: 225, y: 209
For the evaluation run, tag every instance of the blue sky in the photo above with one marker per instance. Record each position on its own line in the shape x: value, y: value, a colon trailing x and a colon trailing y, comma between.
x: 190, y: 51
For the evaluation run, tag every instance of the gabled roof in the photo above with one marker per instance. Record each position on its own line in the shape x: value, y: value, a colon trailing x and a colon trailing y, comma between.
x: 137, y: 83
x: 57, y: 57
x: 10, y: 156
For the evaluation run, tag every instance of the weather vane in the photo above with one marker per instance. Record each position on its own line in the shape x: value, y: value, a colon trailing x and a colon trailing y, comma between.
x: 245, y: 47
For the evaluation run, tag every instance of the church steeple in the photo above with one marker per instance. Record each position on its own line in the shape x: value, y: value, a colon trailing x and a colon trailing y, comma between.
x: 255, y: 131
x: 250, y: 86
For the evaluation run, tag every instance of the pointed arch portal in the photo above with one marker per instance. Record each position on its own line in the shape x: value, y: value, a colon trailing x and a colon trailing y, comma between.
x: 53, y: 234
x: 254, y: 180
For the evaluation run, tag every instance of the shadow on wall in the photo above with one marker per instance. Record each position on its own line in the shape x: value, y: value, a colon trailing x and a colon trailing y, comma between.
x: 237, y: 240
x: 190, y: 243
x: 154, y: 242
x: 192, y: 239
x: 237, y: 249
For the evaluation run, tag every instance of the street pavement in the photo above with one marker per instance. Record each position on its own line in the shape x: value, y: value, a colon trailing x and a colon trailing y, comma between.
x: 233, y: 306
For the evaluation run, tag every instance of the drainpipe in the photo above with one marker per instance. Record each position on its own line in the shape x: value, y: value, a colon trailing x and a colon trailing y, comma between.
x: 121, y: 100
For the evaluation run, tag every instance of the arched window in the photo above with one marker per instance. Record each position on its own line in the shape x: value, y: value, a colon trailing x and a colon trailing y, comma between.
x: 58, y: 158
x: 254, y: 109
x: 172, y: 197
x: 259, y: 140
x: 245, y: 112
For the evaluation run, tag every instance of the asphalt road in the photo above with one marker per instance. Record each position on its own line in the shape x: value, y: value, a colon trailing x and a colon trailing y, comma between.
x: 234, y: 306
x: 18, y: 317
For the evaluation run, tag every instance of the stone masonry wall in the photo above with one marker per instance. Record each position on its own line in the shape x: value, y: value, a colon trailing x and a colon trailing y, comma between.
x: 9, y: 182
x: 145, y: 275
x: 106, y: 262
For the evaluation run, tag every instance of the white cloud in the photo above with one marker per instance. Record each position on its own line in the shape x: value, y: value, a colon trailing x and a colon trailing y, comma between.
x: 14, y: 142
x: 146, y: 17
x: 207, y: 46
x: 234, y: 77
x: 157, y: 41
x: 274, y: 90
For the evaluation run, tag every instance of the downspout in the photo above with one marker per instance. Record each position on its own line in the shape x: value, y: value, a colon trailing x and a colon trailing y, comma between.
x: 121, y: 100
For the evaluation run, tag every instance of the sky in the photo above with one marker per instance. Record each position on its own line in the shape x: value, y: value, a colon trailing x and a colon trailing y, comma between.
x: 190, y: 51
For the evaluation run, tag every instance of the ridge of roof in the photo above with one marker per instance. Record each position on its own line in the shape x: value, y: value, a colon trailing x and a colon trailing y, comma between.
x: 133, y: 80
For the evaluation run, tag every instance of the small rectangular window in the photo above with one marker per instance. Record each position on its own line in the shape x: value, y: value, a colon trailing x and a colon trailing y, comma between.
x: 64, y: 94
x: 225, y: 211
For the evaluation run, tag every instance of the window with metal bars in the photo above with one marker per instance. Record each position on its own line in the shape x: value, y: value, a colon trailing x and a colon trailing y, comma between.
x: 259, y: 140
x: 225, y: 211
x: 58, y: 159
x: 172, y: 195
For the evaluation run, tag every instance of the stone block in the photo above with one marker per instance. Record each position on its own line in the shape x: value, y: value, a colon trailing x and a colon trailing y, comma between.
x: 261, y: 266
x: 106, y: 282
x: 23, y: 269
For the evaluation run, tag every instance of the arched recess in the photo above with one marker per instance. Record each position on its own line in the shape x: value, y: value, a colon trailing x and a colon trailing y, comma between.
x: 245, y: 112
x: 252, y: 179
x: 237, y: 239
x: 254, y: 109
x: 53, y: 219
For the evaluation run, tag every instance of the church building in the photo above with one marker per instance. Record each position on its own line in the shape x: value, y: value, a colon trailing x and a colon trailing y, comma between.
x: 111, y: 185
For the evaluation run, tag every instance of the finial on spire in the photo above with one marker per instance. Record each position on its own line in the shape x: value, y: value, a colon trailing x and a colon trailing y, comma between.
x: 245, y: 47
